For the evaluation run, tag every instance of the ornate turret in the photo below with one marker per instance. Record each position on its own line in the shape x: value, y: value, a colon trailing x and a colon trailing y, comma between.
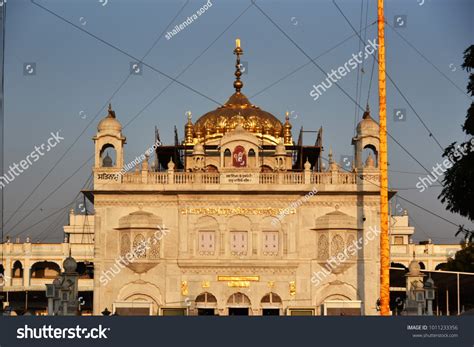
x: 280, y: 156
x: 109, y: 139
x: 367, y: 137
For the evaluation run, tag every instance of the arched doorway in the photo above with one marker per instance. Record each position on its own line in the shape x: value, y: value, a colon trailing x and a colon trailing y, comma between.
x: 206, y: 304
x: 238, y: 305
x: 45, y: 269
x: 271, y: 304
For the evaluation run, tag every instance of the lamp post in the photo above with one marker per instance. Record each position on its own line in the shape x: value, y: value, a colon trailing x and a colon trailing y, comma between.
x: 429, y: 288
x: 420, y: 299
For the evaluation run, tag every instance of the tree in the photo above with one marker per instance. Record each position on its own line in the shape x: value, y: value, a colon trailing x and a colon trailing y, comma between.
x: 458, y: 182
x: 463, y: 261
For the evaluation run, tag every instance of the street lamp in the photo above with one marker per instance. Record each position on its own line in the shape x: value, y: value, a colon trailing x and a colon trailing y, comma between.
x: 420, y: 298
x: 429, y: 288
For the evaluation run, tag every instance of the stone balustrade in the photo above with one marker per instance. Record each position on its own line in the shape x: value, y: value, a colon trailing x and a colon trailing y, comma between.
x: 213, y: 178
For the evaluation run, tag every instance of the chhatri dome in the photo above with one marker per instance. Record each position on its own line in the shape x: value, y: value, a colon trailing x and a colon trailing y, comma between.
x: 109, y: 122
x: 368, y: 126
x: 237, y: 110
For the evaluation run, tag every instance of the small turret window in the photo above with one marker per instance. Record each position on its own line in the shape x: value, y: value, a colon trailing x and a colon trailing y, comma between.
x: 108, y: 156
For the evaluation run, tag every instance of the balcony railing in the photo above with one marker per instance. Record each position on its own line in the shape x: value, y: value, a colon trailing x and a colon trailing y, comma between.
x: 210, y: 178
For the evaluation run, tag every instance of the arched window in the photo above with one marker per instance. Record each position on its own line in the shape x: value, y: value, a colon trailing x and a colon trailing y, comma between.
x: 441, y: 266
x: 211, y: 168
x: 422, y: 265
x: 108, y: 156
x: 227, y: 158
x: 17, y: 270
x: 398, y: 265
x: 85, y: 269
x: 206, y: 299
x: 265, y: 169
x: 238, y: 299
x: 271, y: 299
x: 372, y: 151
x: 45, y: 269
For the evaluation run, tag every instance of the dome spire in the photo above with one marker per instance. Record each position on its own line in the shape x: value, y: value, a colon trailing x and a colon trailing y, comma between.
x: 188, y: 128
x: 287, y: 129
x: 238, y: 52
x: 367, y: 112
x: 111, y: 113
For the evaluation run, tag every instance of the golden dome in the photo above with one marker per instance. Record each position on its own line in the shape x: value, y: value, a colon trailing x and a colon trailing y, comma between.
x: 237, y: 111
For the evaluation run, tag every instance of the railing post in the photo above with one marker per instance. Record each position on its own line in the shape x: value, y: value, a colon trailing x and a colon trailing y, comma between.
x: 307, y: 175
x: 281, y: 176
x: 198, y: 177
x: 170, y: 176
x: 145, y: 169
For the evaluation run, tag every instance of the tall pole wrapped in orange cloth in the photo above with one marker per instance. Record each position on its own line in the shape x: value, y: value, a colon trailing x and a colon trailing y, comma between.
x: 384, y: 241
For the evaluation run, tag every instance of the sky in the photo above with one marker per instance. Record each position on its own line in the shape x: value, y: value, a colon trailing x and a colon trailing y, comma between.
x: 65, y: 60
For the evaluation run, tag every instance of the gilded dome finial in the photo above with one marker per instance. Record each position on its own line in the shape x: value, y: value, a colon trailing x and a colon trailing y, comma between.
x: 188, y: 128
x: 287, y: 129
x: 238, y: 52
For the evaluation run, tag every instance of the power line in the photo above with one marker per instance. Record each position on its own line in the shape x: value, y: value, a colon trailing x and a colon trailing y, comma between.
x: 312, y: 60
x: 153, y: 99
x: 428, y: 61
x: 128, y: 54
x: 306, y: 64
x: 399, y: 196
x: 93, y: 119
x: 336, y: 84
x: 430, y: 133
x: 51, y: 193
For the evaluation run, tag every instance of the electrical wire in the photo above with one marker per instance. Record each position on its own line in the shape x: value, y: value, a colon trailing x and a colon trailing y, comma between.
x: 93, y: 119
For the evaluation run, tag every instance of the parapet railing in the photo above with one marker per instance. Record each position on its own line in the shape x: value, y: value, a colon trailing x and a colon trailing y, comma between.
x: 292, y: 178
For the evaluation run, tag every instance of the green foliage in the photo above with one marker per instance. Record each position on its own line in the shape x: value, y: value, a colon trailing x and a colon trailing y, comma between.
x: 458, y: 182
x: 463, y: 260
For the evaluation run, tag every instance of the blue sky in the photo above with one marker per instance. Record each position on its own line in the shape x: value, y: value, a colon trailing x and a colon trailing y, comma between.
x: 76, y: 75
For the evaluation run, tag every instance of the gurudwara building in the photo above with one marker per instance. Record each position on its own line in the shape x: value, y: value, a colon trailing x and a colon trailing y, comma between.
x: 238, y: 218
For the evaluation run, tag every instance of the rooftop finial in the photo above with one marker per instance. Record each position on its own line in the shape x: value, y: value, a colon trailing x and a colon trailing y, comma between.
x: 238, y: 52
x: 367, y: 112
x: 111, y: 112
